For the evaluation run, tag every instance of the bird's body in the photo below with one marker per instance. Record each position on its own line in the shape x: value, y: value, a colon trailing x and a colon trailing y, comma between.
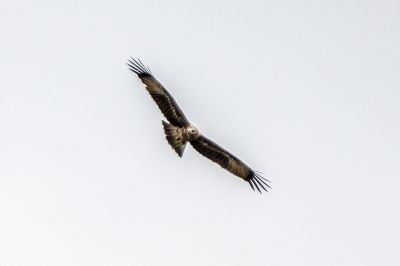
x: 177, y: 137
x: 180, y: 131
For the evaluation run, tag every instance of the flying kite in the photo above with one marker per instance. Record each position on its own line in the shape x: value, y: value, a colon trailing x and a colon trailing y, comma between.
x: 179, y: 131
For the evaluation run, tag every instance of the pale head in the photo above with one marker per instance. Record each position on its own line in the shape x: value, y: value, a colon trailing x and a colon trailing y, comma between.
x: 192, y: 132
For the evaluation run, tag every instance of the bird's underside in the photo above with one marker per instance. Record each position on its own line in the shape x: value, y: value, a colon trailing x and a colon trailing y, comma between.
x: 179, y: 131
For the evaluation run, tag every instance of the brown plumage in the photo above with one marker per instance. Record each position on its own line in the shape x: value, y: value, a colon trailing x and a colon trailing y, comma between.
x: 179, y: 131
x: 160, y: 95
x: 174, y: 136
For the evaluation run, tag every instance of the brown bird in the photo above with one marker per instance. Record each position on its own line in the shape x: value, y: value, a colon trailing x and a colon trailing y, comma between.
x: 180, y: 131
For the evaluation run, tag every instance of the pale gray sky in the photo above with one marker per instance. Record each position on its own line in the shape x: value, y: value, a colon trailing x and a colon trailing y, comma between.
x: 308, y: 92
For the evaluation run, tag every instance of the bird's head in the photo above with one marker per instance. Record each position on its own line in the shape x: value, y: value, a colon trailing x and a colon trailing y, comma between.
x: 192, y: 132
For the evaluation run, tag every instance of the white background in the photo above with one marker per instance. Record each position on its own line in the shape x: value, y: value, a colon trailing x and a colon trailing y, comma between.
x: 308, y: 92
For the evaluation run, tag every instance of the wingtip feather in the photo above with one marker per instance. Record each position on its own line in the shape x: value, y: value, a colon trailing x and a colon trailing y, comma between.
x: 138, y: 67
x: 259, y: 182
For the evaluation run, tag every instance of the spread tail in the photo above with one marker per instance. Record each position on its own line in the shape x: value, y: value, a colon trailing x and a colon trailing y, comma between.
x: 174, y: 137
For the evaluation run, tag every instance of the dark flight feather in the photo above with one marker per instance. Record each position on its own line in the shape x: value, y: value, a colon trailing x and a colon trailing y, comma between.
x: 228, y: 161
x: 160, y: 95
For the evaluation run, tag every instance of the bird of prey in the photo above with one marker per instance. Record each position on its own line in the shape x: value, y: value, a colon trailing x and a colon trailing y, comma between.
x: 179, y: 131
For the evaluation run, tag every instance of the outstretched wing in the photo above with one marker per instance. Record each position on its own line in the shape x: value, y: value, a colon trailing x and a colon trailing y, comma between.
x: 228, y: 161
x: 160, y: 95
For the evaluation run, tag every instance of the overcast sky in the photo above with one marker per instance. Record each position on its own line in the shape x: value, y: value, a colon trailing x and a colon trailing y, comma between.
x: 307, y: 92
